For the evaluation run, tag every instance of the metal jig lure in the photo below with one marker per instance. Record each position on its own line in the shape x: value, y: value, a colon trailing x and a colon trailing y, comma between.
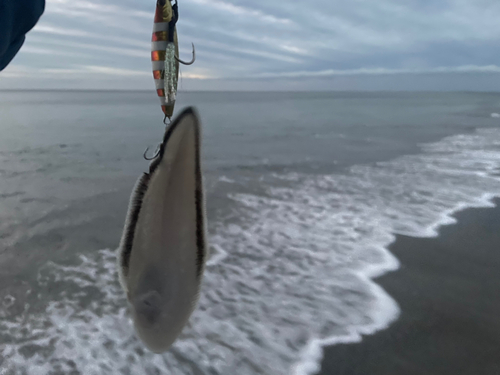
x: 165, y: 55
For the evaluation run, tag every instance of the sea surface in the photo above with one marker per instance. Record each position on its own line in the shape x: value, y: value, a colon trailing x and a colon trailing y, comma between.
x: 305, y: 191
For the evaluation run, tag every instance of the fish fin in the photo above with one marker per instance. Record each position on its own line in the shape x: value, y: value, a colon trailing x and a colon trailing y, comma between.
x: 125, y: 247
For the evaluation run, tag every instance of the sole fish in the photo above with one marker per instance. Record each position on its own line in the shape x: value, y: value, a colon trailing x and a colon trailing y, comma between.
x: 163, y: 249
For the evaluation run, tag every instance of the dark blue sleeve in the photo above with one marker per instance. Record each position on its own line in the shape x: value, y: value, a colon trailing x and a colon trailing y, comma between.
x: 17, y: 17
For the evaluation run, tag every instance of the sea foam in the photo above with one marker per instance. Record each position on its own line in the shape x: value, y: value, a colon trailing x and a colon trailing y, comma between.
x: 292, y: 273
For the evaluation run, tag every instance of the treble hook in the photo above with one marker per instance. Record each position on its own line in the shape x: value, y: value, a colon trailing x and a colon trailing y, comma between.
x: 190, y: 62
x: 157, y: 152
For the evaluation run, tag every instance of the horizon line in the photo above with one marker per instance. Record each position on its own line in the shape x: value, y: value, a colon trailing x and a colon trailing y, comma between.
x: 249, y: 91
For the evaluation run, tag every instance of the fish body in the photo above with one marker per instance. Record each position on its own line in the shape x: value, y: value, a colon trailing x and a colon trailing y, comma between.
x: 164, y: 48
x: 162, y: 253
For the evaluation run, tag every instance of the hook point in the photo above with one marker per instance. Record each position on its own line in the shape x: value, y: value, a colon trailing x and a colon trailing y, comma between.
x: 187, y: 62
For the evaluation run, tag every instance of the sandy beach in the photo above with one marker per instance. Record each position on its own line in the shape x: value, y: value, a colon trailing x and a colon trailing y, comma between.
x: 448, y: 289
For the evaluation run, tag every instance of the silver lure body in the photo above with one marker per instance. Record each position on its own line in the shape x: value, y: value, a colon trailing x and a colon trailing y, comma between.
x: 163, y: 252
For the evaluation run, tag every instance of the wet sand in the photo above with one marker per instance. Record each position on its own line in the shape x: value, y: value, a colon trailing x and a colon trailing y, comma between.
x: 448, y: 289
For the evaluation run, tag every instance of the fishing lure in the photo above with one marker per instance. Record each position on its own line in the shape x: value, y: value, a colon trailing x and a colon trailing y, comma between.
x: 164, y: 55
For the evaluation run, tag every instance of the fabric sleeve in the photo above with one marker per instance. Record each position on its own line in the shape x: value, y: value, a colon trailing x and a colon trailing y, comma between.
x: 17, y: 17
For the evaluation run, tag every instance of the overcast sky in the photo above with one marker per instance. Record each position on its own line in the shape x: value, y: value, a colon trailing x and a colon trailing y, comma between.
x: 268, y: 44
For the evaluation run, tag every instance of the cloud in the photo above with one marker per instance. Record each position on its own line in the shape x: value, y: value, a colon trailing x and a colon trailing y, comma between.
x: 49, y: 29
x: 51, y: 52
x: 142, y: 53
x: 266, y: 39
x: 240, y: 11
x: 89, y: 9
x: 382, y: 71
x: 83, y: 70
x: 114, y: 71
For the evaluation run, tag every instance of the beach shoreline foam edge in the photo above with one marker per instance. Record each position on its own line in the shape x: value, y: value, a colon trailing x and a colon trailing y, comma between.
x: 312, y: 354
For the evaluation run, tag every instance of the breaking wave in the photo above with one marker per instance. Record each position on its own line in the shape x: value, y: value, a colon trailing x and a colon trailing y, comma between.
x: 292, y: 272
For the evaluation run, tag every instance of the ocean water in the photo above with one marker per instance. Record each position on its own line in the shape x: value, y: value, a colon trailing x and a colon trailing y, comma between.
x: 305, y: 191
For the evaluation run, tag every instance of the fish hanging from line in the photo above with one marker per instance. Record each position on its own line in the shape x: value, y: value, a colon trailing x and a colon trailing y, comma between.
x: 163, y: 249
x: 164, y: 54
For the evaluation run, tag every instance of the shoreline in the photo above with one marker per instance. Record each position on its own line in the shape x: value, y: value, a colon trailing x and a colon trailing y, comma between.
x: 447, y: 288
